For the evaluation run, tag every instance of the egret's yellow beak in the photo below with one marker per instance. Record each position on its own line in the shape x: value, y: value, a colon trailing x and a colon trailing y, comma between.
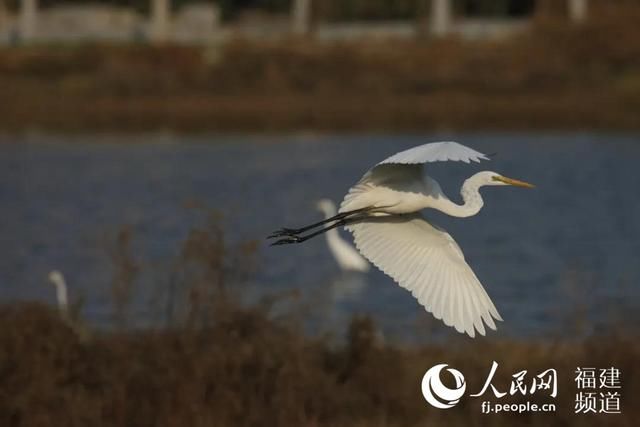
x: 512, y: 181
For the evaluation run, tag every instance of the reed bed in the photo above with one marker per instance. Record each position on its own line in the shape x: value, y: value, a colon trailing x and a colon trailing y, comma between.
x: 556, y: 76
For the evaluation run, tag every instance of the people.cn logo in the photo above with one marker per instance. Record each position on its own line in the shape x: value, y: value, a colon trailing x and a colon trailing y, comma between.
x: 439, y: 395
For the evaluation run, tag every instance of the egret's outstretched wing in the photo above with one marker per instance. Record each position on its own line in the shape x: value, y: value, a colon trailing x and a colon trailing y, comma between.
x: 429, y: 263
x: 435, y: 152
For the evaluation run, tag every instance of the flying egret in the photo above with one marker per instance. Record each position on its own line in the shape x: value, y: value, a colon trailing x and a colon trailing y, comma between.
x: 382, y: 213
x: 344, y: 253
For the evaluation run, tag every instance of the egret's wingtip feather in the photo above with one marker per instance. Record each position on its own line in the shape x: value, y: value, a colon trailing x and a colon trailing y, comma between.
x: 491, y: 324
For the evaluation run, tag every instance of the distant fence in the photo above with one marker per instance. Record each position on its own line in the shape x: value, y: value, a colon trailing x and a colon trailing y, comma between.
x: 198, y: 22
x: 201, y: 23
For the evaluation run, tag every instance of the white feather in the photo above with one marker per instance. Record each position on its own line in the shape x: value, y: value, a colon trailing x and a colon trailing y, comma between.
x: 447, y: 286
x: 435, y: 152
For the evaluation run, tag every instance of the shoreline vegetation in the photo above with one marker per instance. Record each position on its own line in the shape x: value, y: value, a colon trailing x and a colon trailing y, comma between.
x: 555, y: 76
x: 220, y: 361
x: 246, y: 369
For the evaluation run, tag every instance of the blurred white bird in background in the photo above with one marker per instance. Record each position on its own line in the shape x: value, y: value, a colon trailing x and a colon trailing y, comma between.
x: 344, y: 253
x: 69, y: 315
x: 62, y: 299
x: 381, y: 211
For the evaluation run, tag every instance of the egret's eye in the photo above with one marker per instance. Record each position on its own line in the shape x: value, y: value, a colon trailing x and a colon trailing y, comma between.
x: 496, y: 178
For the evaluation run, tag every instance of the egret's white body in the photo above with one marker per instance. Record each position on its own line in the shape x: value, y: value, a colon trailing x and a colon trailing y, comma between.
x: 382, y: 213
x: 344, y: 253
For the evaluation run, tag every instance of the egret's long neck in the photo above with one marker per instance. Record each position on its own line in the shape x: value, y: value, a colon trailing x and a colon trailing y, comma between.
x: 472, y: 200
x: 332, y: 234
x: 61, y: 294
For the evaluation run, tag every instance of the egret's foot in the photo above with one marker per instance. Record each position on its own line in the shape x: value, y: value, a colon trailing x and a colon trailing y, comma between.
x: 287, y: 240
x: 283, y: 232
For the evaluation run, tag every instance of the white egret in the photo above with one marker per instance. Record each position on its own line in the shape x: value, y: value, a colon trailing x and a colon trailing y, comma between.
x: 70, y: 316
x: 58, y: 281
x: 382, y: 213
x: 344, y: 253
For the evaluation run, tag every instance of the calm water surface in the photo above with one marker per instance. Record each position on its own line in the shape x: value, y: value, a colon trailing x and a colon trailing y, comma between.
x: 571, y: 245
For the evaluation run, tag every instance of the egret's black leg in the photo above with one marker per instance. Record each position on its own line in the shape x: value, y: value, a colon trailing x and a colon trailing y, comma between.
x: 294, y: 231
x: 294, y: 238
x: 299, y: 239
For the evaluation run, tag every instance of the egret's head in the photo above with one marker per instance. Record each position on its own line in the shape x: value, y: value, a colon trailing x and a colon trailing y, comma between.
x: 56, y: 277
x: 326, y: 206
x: 494, y: 178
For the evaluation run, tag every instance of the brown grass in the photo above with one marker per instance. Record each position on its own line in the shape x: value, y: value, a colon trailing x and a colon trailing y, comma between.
x: 557, y: 76
x: 219, y: 362
x: 246, y: 370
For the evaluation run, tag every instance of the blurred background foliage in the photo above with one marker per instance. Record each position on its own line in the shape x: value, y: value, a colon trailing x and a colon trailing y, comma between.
x: 553, y: 75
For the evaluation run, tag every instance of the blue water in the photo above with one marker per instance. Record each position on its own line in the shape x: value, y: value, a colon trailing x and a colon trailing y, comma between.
x: 571, y: 245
